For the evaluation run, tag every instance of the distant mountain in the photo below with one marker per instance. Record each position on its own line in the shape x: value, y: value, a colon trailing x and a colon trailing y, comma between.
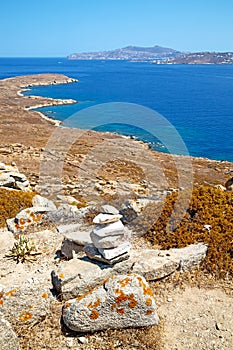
x: 129, y: 53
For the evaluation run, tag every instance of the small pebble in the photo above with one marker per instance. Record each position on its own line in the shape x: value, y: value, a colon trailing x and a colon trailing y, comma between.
x: 83, y: 340
x: 169, y: 300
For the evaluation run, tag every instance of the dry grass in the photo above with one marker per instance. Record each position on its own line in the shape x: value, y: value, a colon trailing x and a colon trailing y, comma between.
x: 12, y: 202
x: 208, y: 206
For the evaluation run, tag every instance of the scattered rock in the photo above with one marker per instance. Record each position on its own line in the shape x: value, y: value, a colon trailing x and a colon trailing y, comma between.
x: 66, y: 214
x: 77, y: 276
x: 11, y: 178
x: 121, y: 302
x: 229, y: 185
x: 8, y: 338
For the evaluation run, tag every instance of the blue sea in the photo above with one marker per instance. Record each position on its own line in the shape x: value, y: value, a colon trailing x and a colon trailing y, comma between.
x: 195, y: 101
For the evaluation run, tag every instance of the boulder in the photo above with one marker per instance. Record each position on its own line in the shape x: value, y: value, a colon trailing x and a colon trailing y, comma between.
x: 8, y: 338
x: 27, y: 217
x: 120, y: 302
x: 27, y: 304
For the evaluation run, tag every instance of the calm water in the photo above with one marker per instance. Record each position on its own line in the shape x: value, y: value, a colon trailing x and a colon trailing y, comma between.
x: 196, y: 100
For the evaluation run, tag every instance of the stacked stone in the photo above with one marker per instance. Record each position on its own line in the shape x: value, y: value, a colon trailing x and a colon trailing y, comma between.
x: 110, y: 237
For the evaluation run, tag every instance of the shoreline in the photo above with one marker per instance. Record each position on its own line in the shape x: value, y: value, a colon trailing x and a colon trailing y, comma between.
x: 23, y: 83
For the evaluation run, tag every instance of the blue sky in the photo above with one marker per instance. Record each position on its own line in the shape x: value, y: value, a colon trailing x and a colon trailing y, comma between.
x: 59, y: 27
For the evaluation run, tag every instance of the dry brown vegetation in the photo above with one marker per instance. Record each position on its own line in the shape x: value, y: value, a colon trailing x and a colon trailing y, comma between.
x: 12, y: 202
x: 208, y: 206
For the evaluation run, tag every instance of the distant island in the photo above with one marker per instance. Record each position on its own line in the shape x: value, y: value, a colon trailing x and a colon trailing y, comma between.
x: 129, y: 53
x: 156, y: 55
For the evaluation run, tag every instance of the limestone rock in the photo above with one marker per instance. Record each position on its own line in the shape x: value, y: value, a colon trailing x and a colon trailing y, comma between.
x: 94, y: 254
x: 69, y: 249
x: 79, y: 237
x: 114, y: 229
x: 27, y: 217
x: 26, y: 304
x: 42, y: 202
x: 10, y: 177
x: 77, y: 276
x: 6, y: 241
x: 102, y: 219
x: 115, y: 252
x: 8, y: 338
x: 121, y: 302
x: 109, y: 209
x: 66, y: 214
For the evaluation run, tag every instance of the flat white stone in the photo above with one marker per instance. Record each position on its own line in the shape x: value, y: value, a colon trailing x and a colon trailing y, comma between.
x: 112, y: 253
x: 102, y: 219
x: 112, y: 229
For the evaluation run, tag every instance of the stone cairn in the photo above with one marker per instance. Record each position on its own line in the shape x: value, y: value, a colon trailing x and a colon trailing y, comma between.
x: 110, y: 238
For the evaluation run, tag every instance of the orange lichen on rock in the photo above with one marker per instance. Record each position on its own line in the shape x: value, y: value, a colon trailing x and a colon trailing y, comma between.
x: 61, y: 275
x: 113, y: 306
x: 146, y: 290
x: 94, y: 315
x: 120, y: 311
x: 11, y: 293
x: 44, y: 295
x: 1, y: 302
x: 121, y: 298
x: 149, y: 312
x: 94, y: 305
x: 125, y: 282
x: 133, y: 303
x: 22, y: 221
x: 148, y: 302
x: 25, y: 316
x: 67, y: 304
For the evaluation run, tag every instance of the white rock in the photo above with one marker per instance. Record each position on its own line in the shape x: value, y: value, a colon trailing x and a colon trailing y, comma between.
x: 102, y: 219
x: 112, y: 229
x: 109, y: 209
x: 121, y: 302
x: 112, y: 253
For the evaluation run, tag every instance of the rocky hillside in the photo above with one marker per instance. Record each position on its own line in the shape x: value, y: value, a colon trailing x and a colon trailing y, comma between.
x: 129, y: 53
